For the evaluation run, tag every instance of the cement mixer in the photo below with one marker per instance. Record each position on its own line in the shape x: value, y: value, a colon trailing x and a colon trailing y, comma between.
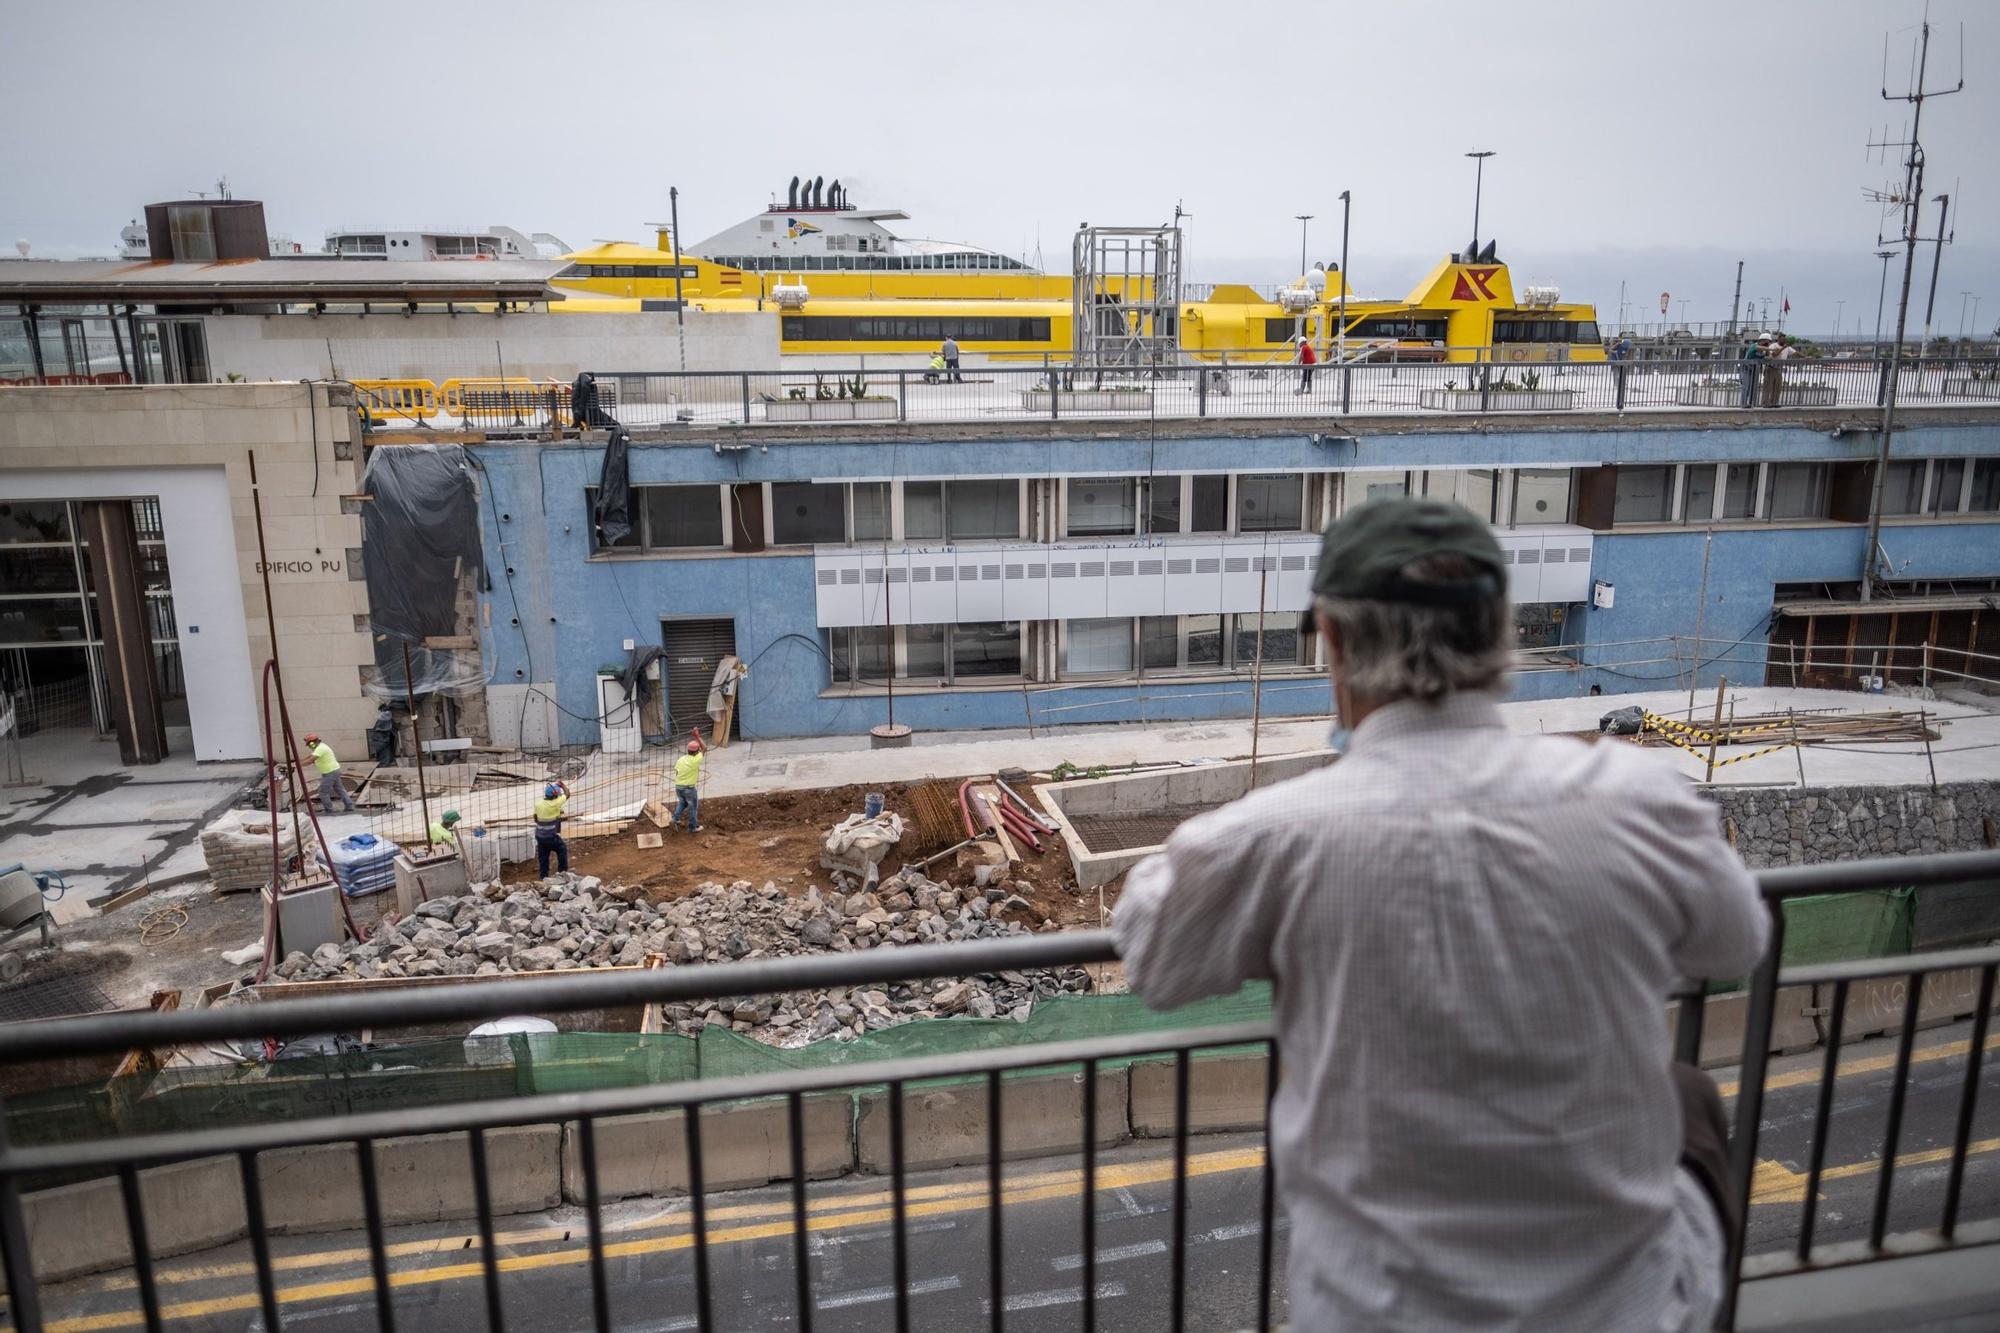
x: 24, y: 907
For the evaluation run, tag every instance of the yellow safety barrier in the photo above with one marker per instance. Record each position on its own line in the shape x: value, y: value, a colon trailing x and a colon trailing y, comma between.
x: 1655, y: 722
x: 410, y: 400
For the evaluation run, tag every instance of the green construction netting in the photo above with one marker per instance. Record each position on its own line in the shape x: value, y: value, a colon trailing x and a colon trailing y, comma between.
x: 1831, y: 927
x: 447, y: 1070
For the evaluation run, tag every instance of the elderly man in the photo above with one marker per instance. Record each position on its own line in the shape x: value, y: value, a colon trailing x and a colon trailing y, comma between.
x: 1472, y: 934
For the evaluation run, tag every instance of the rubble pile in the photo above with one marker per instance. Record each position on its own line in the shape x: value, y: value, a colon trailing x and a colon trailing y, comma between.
x: 571, y: 921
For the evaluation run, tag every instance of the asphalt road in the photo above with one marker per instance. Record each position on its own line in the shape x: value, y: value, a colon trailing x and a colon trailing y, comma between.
x: 325, y: 1282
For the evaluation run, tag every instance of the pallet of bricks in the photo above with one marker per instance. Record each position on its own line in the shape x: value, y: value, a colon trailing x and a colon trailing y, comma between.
x: 237, y: 847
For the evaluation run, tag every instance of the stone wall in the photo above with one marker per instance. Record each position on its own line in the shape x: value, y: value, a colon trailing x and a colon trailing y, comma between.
x: 1777, y: 826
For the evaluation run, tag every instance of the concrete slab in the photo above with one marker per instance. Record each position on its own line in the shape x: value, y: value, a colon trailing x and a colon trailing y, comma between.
x: 947, y: 1126
x: 743, y: 1145
x: 144, y: 802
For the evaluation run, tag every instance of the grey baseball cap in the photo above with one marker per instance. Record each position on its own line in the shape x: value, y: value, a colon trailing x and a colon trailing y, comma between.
x: 1364, y: 552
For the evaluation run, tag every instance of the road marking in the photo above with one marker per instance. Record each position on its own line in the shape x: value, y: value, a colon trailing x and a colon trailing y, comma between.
x: 944, y: 1200
x: 1042, y: 1300
x: 870, y: 1295
x: 1065, y: 1263
x: 1873, y: 1064
x: 1774, y: 1182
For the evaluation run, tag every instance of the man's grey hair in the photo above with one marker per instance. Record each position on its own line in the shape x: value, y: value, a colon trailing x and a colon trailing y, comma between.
x: 1407, y: 650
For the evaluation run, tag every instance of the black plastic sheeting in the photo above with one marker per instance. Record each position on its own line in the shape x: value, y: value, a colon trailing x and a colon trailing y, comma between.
x: 421, y: 533
x: 613, y: 512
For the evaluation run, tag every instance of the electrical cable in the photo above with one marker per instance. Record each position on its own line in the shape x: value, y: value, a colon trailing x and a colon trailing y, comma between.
x: 312, y: 407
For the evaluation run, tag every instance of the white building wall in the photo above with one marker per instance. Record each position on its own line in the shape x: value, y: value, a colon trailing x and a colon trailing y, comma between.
x: 432, y: 345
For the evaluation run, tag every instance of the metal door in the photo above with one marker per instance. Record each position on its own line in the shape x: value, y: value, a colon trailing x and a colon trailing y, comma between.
x: 694, y: 648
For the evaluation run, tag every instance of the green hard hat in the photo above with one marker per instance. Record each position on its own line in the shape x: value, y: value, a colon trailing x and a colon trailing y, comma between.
x: 449, y: 817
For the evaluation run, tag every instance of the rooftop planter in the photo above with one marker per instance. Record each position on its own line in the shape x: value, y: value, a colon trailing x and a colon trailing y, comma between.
x: 830, y: 409
x: 1497, y: 399
x: 1107, y: 399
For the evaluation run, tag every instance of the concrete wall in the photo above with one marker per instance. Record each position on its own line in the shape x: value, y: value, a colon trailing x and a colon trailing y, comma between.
x: 534, y: 516
x: 190, y: 445
x: 436, y: 346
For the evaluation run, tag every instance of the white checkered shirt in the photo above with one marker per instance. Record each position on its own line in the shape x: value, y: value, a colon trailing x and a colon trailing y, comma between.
x: 1471, y: 934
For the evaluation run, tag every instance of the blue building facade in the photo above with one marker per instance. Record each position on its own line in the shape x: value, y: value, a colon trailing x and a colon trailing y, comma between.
x: 751, y: 538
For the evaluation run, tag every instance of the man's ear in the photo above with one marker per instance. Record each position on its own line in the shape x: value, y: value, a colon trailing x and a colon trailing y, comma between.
x: 1327, y: 633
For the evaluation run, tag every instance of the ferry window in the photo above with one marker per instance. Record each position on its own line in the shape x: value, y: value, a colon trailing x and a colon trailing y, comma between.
x: 1947, y: 480
x: 1102, y: 506
x: 1280, y: 330
x: 795, y: 328
x: 1270, y: 502
x: 1211, y: 504
x: 1585, y: 331
x: 1903, y: 487
x: 804, y: 513
x: 1541, y: 495
x: 1405, y: 328
x: 575, y: 271
x: 1799, y: 490
x: 681, y: 517
x: 1645, y: 495
x: 625, y: 271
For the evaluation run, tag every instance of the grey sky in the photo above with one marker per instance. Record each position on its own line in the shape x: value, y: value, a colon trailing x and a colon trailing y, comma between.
x: 1652, y: 144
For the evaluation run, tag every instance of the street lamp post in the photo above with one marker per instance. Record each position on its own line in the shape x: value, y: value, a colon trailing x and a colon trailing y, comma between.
x: 1303, y: 218
x: 1341, y: 347
x: 1881, y: 291
x: 1478, y: 184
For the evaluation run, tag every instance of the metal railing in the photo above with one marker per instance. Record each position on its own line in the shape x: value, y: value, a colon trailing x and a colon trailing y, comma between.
x: 1256, y: 388
x: 711, y: 1100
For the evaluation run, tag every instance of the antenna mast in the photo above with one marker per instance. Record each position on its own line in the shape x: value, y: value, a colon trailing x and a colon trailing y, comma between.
x: 1910, y: 198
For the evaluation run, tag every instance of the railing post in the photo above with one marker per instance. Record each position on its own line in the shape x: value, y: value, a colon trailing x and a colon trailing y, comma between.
x: 1485, y: 386
x: 902, y: 395
x: 1200, y: 390
x: 746, y: 397
x: 1055, y: 399
x: 1881, y: 384
x: 1618, y: 374
x: 1346, y: 387
x: 1750, y: 1104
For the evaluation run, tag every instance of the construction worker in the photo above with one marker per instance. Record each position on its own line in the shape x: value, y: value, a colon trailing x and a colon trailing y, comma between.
x: 441, y: 834
x: 548, y: 828
x: 687, y: 783
x: 322, y: 757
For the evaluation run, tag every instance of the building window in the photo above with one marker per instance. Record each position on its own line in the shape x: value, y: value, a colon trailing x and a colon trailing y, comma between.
x: 681, y: 518
x: 1739, y: 492
x: 1208, y: 498
x: 1473, y: 488
x: 1799, y: 490
x: 1097, y: 647
x: 1270, y: 502
x: 1284, y: 646
x: 1159, y: 643
x: 1985, y: 498
x: 1102, y: 506
x: 1365, y: 486
x: 1541, y: 495
x: 1204, y: 641
x: 924, y: 652
x: 871, y: 511
x: 960, y: 511
x: 1161, y: 500
x: 1947, y: 482
x: 1698, y: 494
x: 1903, y: 487
x: 1645, y: 495
x: 992, y: 649
x: 806, y: 513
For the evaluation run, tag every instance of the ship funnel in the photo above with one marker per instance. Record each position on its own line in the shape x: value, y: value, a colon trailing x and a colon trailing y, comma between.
x: 833, y: 195
x: 792, y: 198
x: 1486, y: 256
x: 819, y: 184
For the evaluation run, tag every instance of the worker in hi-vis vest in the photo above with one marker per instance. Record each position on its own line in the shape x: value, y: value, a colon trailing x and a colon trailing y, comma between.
x: 442, y: 836
x: 330, y: 789
x: 548, y: 828
x: 687, y: 785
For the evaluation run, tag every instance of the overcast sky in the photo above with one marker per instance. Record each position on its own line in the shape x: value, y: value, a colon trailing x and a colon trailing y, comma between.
x: 1649, y: 144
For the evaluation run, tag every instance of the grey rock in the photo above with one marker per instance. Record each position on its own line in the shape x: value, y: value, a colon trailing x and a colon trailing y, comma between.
x: 493, y: 944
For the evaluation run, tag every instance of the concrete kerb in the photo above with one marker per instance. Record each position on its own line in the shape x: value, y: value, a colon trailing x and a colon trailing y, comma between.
x: 81, y: 1228
x: 425, y: 1178
x: 743, y: 1145
x: 1226, y: 1091
x: 945, y: 1125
